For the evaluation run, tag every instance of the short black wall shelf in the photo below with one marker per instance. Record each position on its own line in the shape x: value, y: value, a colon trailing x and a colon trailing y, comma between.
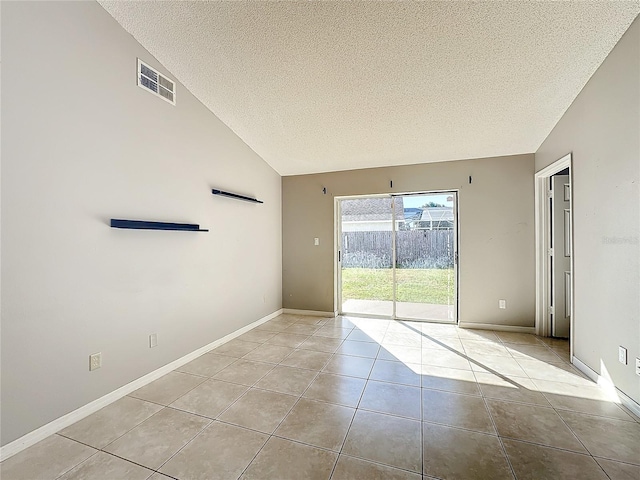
x: 142, y: 225
x: 236, y: 196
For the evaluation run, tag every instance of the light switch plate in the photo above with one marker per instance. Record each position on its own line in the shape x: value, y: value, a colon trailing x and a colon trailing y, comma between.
x: 638, y: 366
x: 502, y: 304
x: 316, y: 241
x: 622, y: 355
x: 153, y: 340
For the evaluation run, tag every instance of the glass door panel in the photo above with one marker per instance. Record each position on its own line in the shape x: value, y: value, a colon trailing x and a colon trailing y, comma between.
x: 425, y: 257
x: 366, y: 256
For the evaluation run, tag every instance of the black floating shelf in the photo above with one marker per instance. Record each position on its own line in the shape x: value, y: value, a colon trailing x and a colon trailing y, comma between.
x: 142, y: 225
x: 236, y: 196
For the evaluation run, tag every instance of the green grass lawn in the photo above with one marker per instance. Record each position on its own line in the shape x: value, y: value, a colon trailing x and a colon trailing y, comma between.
x: 414, y: 285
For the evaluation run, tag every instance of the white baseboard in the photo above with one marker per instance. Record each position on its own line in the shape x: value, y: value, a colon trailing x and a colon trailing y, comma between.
x: 499, y: 328
x: 70, y: 418
x: 626, y: 400
x: 311, y: 313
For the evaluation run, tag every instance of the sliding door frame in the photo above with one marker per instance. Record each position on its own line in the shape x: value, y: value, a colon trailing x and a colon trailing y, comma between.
x: 338, y: 251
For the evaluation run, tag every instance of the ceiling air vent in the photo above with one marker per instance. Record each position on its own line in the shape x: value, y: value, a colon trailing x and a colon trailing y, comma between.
x: 154, y: 82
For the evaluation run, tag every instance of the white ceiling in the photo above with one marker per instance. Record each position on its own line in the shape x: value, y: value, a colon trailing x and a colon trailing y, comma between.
x: 318, y: 86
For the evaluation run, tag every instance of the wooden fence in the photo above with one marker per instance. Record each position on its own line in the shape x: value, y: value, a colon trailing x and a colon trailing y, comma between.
x: 414, y: 249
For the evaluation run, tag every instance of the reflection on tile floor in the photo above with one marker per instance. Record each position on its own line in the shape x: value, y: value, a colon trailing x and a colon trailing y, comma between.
x: 304, y: 397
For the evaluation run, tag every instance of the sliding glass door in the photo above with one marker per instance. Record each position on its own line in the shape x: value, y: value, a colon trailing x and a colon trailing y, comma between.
x: 398, y: 256
x: 367, y: 255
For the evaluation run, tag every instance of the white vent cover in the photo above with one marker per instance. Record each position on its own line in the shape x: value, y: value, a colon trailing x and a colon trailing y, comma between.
x: 154, y: 82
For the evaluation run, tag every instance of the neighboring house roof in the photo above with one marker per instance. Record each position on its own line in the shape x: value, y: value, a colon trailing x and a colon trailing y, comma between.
x: 371, y: 209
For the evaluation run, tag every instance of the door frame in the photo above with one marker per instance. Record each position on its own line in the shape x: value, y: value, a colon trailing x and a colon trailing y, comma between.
x: 543, y: 244
x: 338, y: 246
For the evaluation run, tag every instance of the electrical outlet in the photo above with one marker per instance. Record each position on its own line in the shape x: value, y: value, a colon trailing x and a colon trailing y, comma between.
x: 502, y: 304
x: 95, y: 361
x: 622, y: 355
x: 153, y: 340
x: 637, y: 366
x: 316, y: 241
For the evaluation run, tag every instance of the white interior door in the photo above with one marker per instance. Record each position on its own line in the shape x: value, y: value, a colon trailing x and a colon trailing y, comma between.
x: 561, y: 258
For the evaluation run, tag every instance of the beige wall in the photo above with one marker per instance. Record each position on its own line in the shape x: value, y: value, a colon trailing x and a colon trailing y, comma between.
x: 81, y: 144
x: 496, y: 232
x: 602, y: 130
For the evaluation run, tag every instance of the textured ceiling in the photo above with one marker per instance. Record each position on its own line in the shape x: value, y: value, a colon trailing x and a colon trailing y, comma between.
x: 318, y: 86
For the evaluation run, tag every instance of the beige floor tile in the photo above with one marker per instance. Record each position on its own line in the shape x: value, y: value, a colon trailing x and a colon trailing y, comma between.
x: 385, y: 439
x: 257, y: 336
x: 244, y: 372
x: 407, y: 339
x: 359, y: 335
x: 287, y: 339
x: 619, y: 471
x: 555, y: 342
x: 285, y: 460
x: 532, y: 352
x: 293, y: 381
x: 302, y: 329
x: 160, y: 476
x: 396, y: 372
x: 449, y: 379
x: 440, y: 329
x: 307, y: 359
x: 474, y: 348
x: 399, y: 353
x: 269, y: 353
x: 236, y: 348
x: 452, y: 344
x: 456, y: 410
x: 208, y: 364
x: 336, y: 389
x: 453, y: 453
x: 606, y: 437
x: 564, y: 355
x: 168, y: 388
x: 350, y: 366
x: 359, y: 349
x: 321, y: 344
x: 391, y: 398
x: 333, y: 332
x: 555, y: 372
x: 350, y: 468
x: 210, y: 398
x: 45, y: 460
x: 512, y: 389
x: 319, y: 321
x: 521, y: 338
x: 220, y: 452
x: 317, y: 423
x: 109, y: 423
x: 497, y: 365
x: 534, y: 462
x: 591, y: 400
x: 158, y: 438
x: 259, y: 410
x: 533, y: 424
x: 444, y: 358
x: 340, y: 322
x: 103, y: 466
x: 479, y: 335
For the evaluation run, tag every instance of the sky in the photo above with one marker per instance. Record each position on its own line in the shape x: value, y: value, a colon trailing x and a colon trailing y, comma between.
x: 416, y: 201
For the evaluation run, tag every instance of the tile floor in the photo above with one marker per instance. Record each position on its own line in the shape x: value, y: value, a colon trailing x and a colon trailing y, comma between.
x: 353, y: 398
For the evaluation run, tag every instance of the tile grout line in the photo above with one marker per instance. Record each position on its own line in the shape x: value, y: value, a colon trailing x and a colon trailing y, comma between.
x: 502, y: 446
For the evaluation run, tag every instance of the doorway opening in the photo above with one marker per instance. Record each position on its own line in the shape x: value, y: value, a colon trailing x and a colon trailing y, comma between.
x: 398, y: 256
x: 554, y: 251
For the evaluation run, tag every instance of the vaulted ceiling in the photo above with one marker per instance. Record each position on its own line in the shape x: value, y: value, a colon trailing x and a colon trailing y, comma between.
x: 323, y: 86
